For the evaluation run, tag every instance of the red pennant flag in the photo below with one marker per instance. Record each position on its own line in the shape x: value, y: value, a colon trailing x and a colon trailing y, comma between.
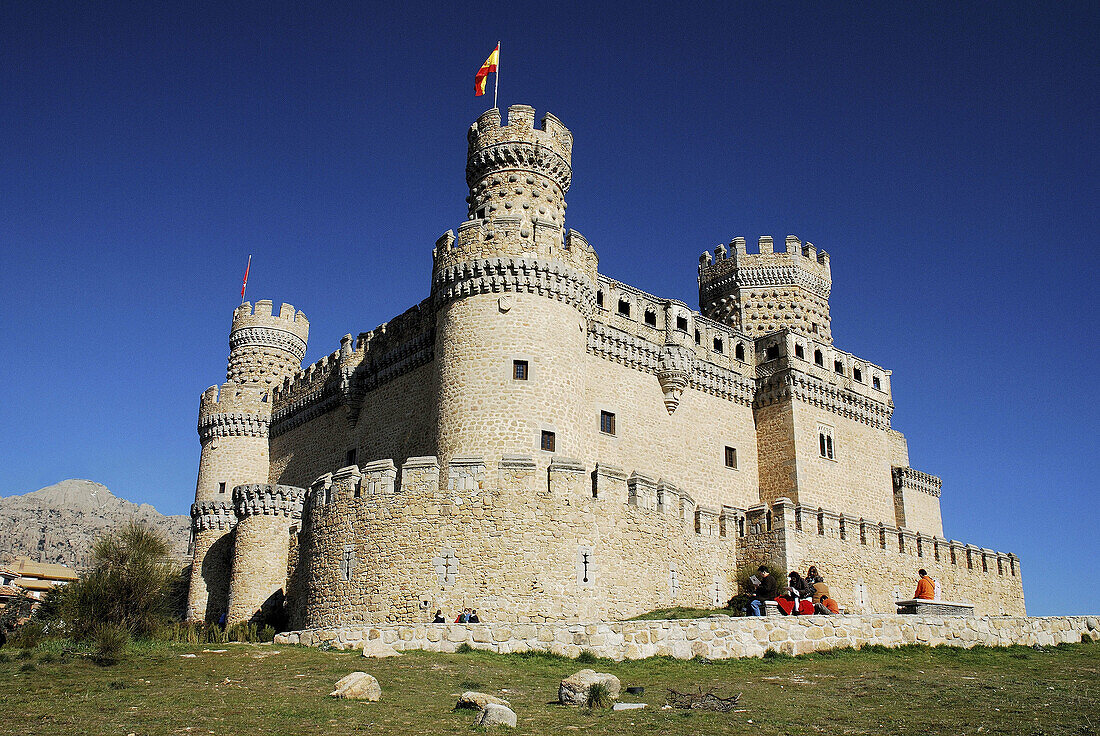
x: 245, y: 284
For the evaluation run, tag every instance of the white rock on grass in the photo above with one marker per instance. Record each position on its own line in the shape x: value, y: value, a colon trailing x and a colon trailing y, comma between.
x: 375, y: 649
x: 477, y: 701
x: 574, y: 689
x: 358, y: 686
x: 496, y: 715
x: 627, y: 706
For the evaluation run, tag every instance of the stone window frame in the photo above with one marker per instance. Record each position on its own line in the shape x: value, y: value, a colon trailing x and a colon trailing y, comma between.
x: 545, y: 431
x: 649, y: 317
x: 876, y: 382
x: 819, y: 358
x: 682, y: 322
x: 739, y: 352
x: 350, y: 456
x: 719, y: 345
x: 799, y: 351
x: 624, y: 298
x: 511, y: 367
x: 221, y: 487
x: 605, y: 414
x: 857, y: 373
x: 826, y: 442
x: 731, y: 452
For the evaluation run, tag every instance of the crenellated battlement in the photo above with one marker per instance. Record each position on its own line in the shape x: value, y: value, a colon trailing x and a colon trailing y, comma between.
x: 774, y: 286
x: 788, y: 349
x: 550, y: 138
x: 264, y: 347
x: 233, y: 410
x: 261, y: 315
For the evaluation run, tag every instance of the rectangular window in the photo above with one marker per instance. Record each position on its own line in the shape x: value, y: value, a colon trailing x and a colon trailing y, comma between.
x: 799, y: 352
x: 651, y: 318
x: 519, y: 370
x: 717, y: 344
x: 731, y: 457
x: 771, y: 352
x: 825, y: 442
x: 221, y: 488
x: 857, y: 374
x: 549, y: 441
x: 624, y: 307
x: 838, y: 366
x: 599, y: 298
x: 349, y: 459
x: 875, y: 383
x: 698, y: 337
x: 682, y: 324
x: 607, y: 422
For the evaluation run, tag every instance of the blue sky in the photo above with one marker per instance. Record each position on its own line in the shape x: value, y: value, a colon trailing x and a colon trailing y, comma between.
x: 945, y: 154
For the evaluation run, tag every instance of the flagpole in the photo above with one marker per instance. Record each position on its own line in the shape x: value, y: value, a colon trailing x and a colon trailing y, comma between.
x: 496, y: 82
x: 245, y: 284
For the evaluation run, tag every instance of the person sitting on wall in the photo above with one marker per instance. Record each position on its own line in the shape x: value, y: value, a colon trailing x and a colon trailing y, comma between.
x: 464, y: 617
x: 796, y: 597
x: 926, y: 587
x: 763, y: 591
x: 473, y: 618
x: 822, y: 599
x: 439, y: 617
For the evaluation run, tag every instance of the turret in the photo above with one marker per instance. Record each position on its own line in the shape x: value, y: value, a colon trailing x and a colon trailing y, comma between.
x: 512, y: 291
x: 768, y: 290
x: 264, y: 348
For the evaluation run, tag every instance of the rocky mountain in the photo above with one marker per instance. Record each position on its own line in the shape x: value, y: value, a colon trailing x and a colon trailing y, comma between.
x: 58, y: 523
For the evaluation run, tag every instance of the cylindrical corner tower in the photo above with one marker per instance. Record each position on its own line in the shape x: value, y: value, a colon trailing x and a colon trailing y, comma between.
x: 233, y: 432
x: 513, y: 292
x: 265, y: 515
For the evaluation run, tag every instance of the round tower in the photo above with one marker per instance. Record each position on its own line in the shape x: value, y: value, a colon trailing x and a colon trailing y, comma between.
x: 233, y: 434
x: 513, y: 292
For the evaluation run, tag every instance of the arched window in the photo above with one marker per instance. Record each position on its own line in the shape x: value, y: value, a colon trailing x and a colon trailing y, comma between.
x: 739, y: 352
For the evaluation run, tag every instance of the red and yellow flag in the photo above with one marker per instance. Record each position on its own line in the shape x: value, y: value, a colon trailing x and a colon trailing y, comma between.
x: 490, y: 65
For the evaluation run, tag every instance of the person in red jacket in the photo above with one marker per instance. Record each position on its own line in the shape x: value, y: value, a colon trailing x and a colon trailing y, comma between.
x: 926, y: 587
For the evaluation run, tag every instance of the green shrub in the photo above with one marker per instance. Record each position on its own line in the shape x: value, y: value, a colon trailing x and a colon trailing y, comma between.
x: 597, y: 696
x: 267, y: 633
x: 28, y: 667
x: 4, y: 657
x: 464, y: 648
x: 127, y: 586
x: 776, y: 654
x: 27, y: 636
x: 587, y: 657
x: 111, y: 642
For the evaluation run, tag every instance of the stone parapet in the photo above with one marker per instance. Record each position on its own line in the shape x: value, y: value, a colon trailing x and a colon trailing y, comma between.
x: 503, y: 275
x: 907, y: 478
x: 207, y: 515
x: 717, y: 637
x: 265, y: 499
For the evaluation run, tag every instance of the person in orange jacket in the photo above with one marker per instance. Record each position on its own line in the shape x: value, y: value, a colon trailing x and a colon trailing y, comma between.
x: 926, y: 587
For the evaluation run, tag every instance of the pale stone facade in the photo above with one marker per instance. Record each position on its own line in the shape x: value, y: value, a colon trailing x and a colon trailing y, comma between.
x: 543, y: 443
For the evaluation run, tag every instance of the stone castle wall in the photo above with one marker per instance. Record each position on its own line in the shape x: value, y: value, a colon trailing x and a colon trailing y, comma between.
x: 717, y: 637
x: 507, y: 538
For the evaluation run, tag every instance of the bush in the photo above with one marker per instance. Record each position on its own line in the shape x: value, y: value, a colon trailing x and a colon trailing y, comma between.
x: 127, y: 586
x: 28, y: 667
x: 27, y: 636
x: 464, y: 648
x: 597, y: 696
x: 587, y: 657
x: 111, y: 643
x: 267, y: 633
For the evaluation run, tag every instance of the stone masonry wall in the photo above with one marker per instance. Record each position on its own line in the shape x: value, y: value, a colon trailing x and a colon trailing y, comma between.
x: 515, y: 542
x: 717, y: 637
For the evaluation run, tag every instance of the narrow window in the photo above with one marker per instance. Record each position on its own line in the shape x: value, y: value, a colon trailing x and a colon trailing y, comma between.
x: 771, y: 352
x: 221, y: 488
x: 875, y: 383
x: 549, y: 441
x: 599, y: 298
x: 698, y: 337
x: 857, y: 374
x: 825, y: 442
x: 813, y: 327
x: 624, y: 307
x: 349, y: 457
x: 799, y: 351
x: 739, y: 352
x: 607, y: 423
x: 838, y: 366
x: 717, y: 344
x: 731, y: 457
x: 819, y: 358
x: 651, y: 318
x: 682, y: 323
x: 480, y: 213
x: 519, y: 370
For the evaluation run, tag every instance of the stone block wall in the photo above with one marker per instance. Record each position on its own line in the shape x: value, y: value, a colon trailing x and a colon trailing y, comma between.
x: 718, y: 637
x: 514, y: 541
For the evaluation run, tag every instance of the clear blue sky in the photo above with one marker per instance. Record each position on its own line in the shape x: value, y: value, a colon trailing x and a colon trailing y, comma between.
x: 946, y: 156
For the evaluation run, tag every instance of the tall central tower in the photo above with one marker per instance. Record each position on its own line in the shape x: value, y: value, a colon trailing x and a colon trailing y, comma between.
x: 513, y: 292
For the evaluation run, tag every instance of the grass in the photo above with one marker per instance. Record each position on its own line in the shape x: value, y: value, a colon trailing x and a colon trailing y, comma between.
x: 282, y: 690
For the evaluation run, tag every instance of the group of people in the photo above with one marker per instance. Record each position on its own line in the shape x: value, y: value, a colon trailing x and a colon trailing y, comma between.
x: 468, y: 616
x: 801, y: 596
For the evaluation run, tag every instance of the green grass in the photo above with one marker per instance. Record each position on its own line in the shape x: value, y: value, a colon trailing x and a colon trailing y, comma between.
x: 662, y: 614
x: 261, y: 688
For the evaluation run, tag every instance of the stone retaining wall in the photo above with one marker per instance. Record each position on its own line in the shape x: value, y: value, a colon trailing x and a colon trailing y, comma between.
x: 717, y: 637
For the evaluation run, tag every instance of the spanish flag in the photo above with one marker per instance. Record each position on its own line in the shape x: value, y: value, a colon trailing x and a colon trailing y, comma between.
x: 490, y: 65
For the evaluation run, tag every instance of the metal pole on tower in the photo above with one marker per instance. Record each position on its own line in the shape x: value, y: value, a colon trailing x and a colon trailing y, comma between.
x: 496, y: 80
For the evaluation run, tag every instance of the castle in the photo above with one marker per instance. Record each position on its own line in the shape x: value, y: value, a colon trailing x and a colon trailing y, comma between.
x: 541, y: 442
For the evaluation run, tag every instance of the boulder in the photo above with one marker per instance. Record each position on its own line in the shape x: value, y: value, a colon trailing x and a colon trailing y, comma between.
x: 574, y: 689
x: 477, y: 701
x: 627, y: 706
x: 376, y: 648
x: 496, y: 715
x: 358, y: 686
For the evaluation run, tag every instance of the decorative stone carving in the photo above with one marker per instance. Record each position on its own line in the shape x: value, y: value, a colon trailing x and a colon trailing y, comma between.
x: 268, y: 500
x: 232, y: 424
x: 673, y: 373
x: 212, y: 515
